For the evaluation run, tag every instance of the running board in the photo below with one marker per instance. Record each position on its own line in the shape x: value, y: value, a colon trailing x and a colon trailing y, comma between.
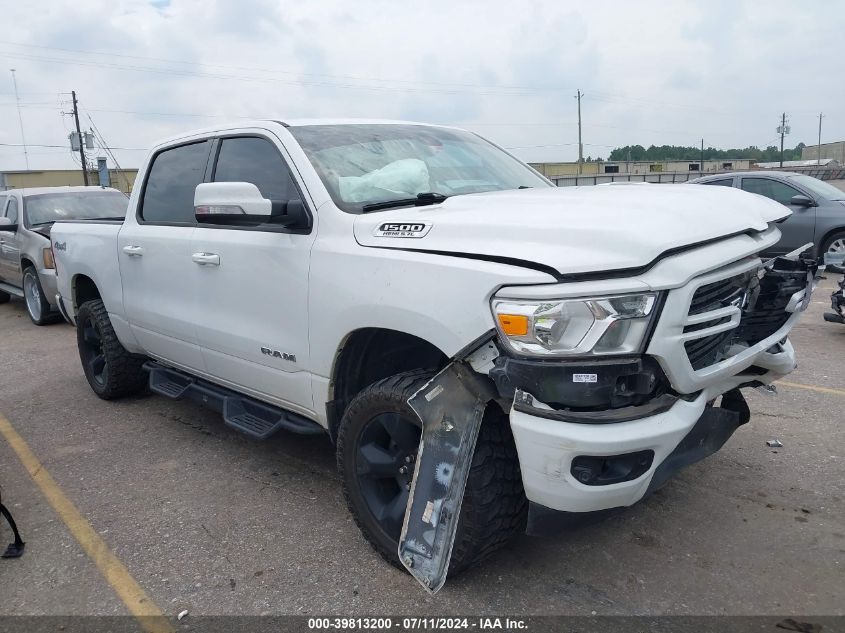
x: 247, y: 415
x: 12, y: 290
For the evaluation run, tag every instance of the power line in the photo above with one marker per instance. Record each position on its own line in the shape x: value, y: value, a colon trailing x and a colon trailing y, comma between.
x: 559, y: 145
x: 279, y: 71
x: 271, y: 80
x: 401, y: 85
x: 108, y: 151
x: 123, y: 149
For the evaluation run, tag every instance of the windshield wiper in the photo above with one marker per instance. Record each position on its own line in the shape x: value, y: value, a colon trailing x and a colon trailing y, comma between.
x: 422, y: 199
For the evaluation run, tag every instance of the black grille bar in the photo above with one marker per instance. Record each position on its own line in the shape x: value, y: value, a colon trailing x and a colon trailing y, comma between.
x: 763, y: 301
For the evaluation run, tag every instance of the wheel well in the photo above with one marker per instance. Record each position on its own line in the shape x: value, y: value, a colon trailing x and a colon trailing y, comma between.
x: 84, y: 289
x: 827, y: 236
x: 370, y: 354
x: 26, y: 263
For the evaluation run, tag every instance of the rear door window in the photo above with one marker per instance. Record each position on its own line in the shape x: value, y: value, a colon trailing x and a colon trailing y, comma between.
x: 773, y: 189
x: 169, y: 191
x: 724, y: 182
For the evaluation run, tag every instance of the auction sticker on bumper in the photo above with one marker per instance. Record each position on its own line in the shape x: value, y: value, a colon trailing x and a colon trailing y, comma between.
x: 585, y: 377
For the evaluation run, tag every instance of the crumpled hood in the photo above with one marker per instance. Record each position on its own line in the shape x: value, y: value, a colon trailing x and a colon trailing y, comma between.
x: 574, y: 229
x: 44, y: 230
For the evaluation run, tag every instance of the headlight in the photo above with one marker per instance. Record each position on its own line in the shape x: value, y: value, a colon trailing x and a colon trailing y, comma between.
x: 576, y: 327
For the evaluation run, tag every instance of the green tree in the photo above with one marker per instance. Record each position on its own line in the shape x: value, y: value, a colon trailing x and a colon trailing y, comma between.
x: 682, y: 153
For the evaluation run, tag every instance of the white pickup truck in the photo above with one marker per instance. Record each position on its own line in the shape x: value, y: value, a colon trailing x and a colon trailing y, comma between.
x: 488, y: 353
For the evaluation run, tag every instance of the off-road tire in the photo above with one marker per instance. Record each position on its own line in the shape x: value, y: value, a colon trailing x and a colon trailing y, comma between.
x: 494, y: 508
x: 45, y: 312
x: 122, y: 374
x: 4, y: 297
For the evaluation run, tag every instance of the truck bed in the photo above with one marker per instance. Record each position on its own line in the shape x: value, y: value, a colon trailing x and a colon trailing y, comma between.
x: 88, y: 248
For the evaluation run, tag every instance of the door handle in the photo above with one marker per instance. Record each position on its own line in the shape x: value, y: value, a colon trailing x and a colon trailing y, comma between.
x: 206, y: 259
x: 133, y: 251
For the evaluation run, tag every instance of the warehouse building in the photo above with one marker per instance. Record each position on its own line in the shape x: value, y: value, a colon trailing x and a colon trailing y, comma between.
x: 834, y: 151
x: 553, y: 170
x: 121, y: 179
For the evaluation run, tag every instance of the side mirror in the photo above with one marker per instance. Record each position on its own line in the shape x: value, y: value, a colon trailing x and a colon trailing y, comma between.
x: 228, y: 202
x: 6, y: 225
x: 241, y: 204
x: 801, y: 201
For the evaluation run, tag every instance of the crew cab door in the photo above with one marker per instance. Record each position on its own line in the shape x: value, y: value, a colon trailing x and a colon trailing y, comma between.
x: 154, y: 251
x: 799, y: 228
x: 252, y: 282
x: 10, y: 244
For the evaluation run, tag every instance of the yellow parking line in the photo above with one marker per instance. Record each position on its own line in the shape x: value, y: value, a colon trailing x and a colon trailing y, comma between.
x: 139, y: 604
x: 797, y: 385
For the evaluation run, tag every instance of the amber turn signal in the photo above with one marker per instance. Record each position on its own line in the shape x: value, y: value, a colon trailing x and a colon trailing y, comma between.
x: 513, y: 324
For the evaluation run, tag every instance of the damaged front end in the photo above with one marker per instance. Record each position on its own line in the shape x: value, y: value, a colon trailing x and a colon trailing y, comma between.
x: 834, y: 263
x: 451, y: 407
x: 597, y: 427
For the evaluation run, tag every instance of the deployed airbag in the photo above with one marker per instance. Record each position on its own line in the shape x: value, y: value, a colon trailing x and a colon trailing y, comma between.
x: 406, y: 177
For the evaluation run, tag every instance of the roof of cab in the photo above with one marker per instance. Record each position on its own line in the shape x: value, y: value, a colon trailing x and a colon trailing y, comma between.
x: 235, y: 125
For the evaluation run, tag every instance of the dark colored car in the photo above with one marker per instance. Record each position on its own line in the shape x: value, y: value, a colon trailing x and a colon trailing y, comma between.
x: 818, y: 208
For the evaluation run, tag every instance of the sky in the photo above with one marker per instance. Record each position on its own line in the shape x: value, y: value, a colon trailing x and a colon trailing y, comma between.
x: 651, y: 72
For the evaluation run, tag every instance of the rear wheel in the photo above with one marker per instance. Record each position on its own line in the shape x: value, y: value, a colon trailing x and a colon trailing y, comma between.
x: 111, y: 371
x: 4, y: 297
x: 37, y: 305
x: 378, y: 440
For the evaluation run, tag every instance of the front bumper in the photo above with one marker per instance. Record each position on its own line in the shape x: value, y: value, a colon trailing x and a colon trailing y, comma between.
x: 60, y: 304
x: 706, y: 436
x: 549, y: 442
x: 47, y: 278
x: 585, y: 447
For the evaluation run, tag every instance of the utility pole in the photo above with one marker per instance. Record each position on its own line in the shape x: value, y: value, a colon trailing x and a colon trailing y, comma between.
x: 81, y: 139
x: 702, y: 156
x: 20, y: 119
x: 783, y: 132
x: 821, y: 116
x: 580, y: 145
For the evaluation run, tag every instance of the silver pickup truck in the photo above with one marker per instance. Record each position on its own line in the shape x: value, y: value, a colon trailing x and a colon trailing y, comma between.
x: 27, y: 269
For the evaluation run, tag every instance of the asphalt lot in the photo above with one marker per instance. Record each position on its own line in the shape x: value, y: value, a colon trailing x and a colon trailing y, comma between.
x: 207, y: 520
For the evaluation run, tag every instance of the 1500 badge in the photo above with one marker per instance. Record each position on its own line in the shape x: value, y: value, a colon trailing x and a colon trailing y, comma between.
x: 402, y: 229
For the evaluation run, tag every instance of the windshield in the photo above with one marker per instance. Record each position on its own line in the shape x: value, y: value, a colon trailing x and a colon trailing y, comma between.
x: 363, y: 164
x: 819, y: 187
x: 90, y: 205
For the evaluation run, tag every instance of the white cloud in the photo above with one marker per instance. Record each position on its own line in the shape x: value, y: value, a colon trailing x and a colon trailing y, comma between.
x: 652, y: 72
